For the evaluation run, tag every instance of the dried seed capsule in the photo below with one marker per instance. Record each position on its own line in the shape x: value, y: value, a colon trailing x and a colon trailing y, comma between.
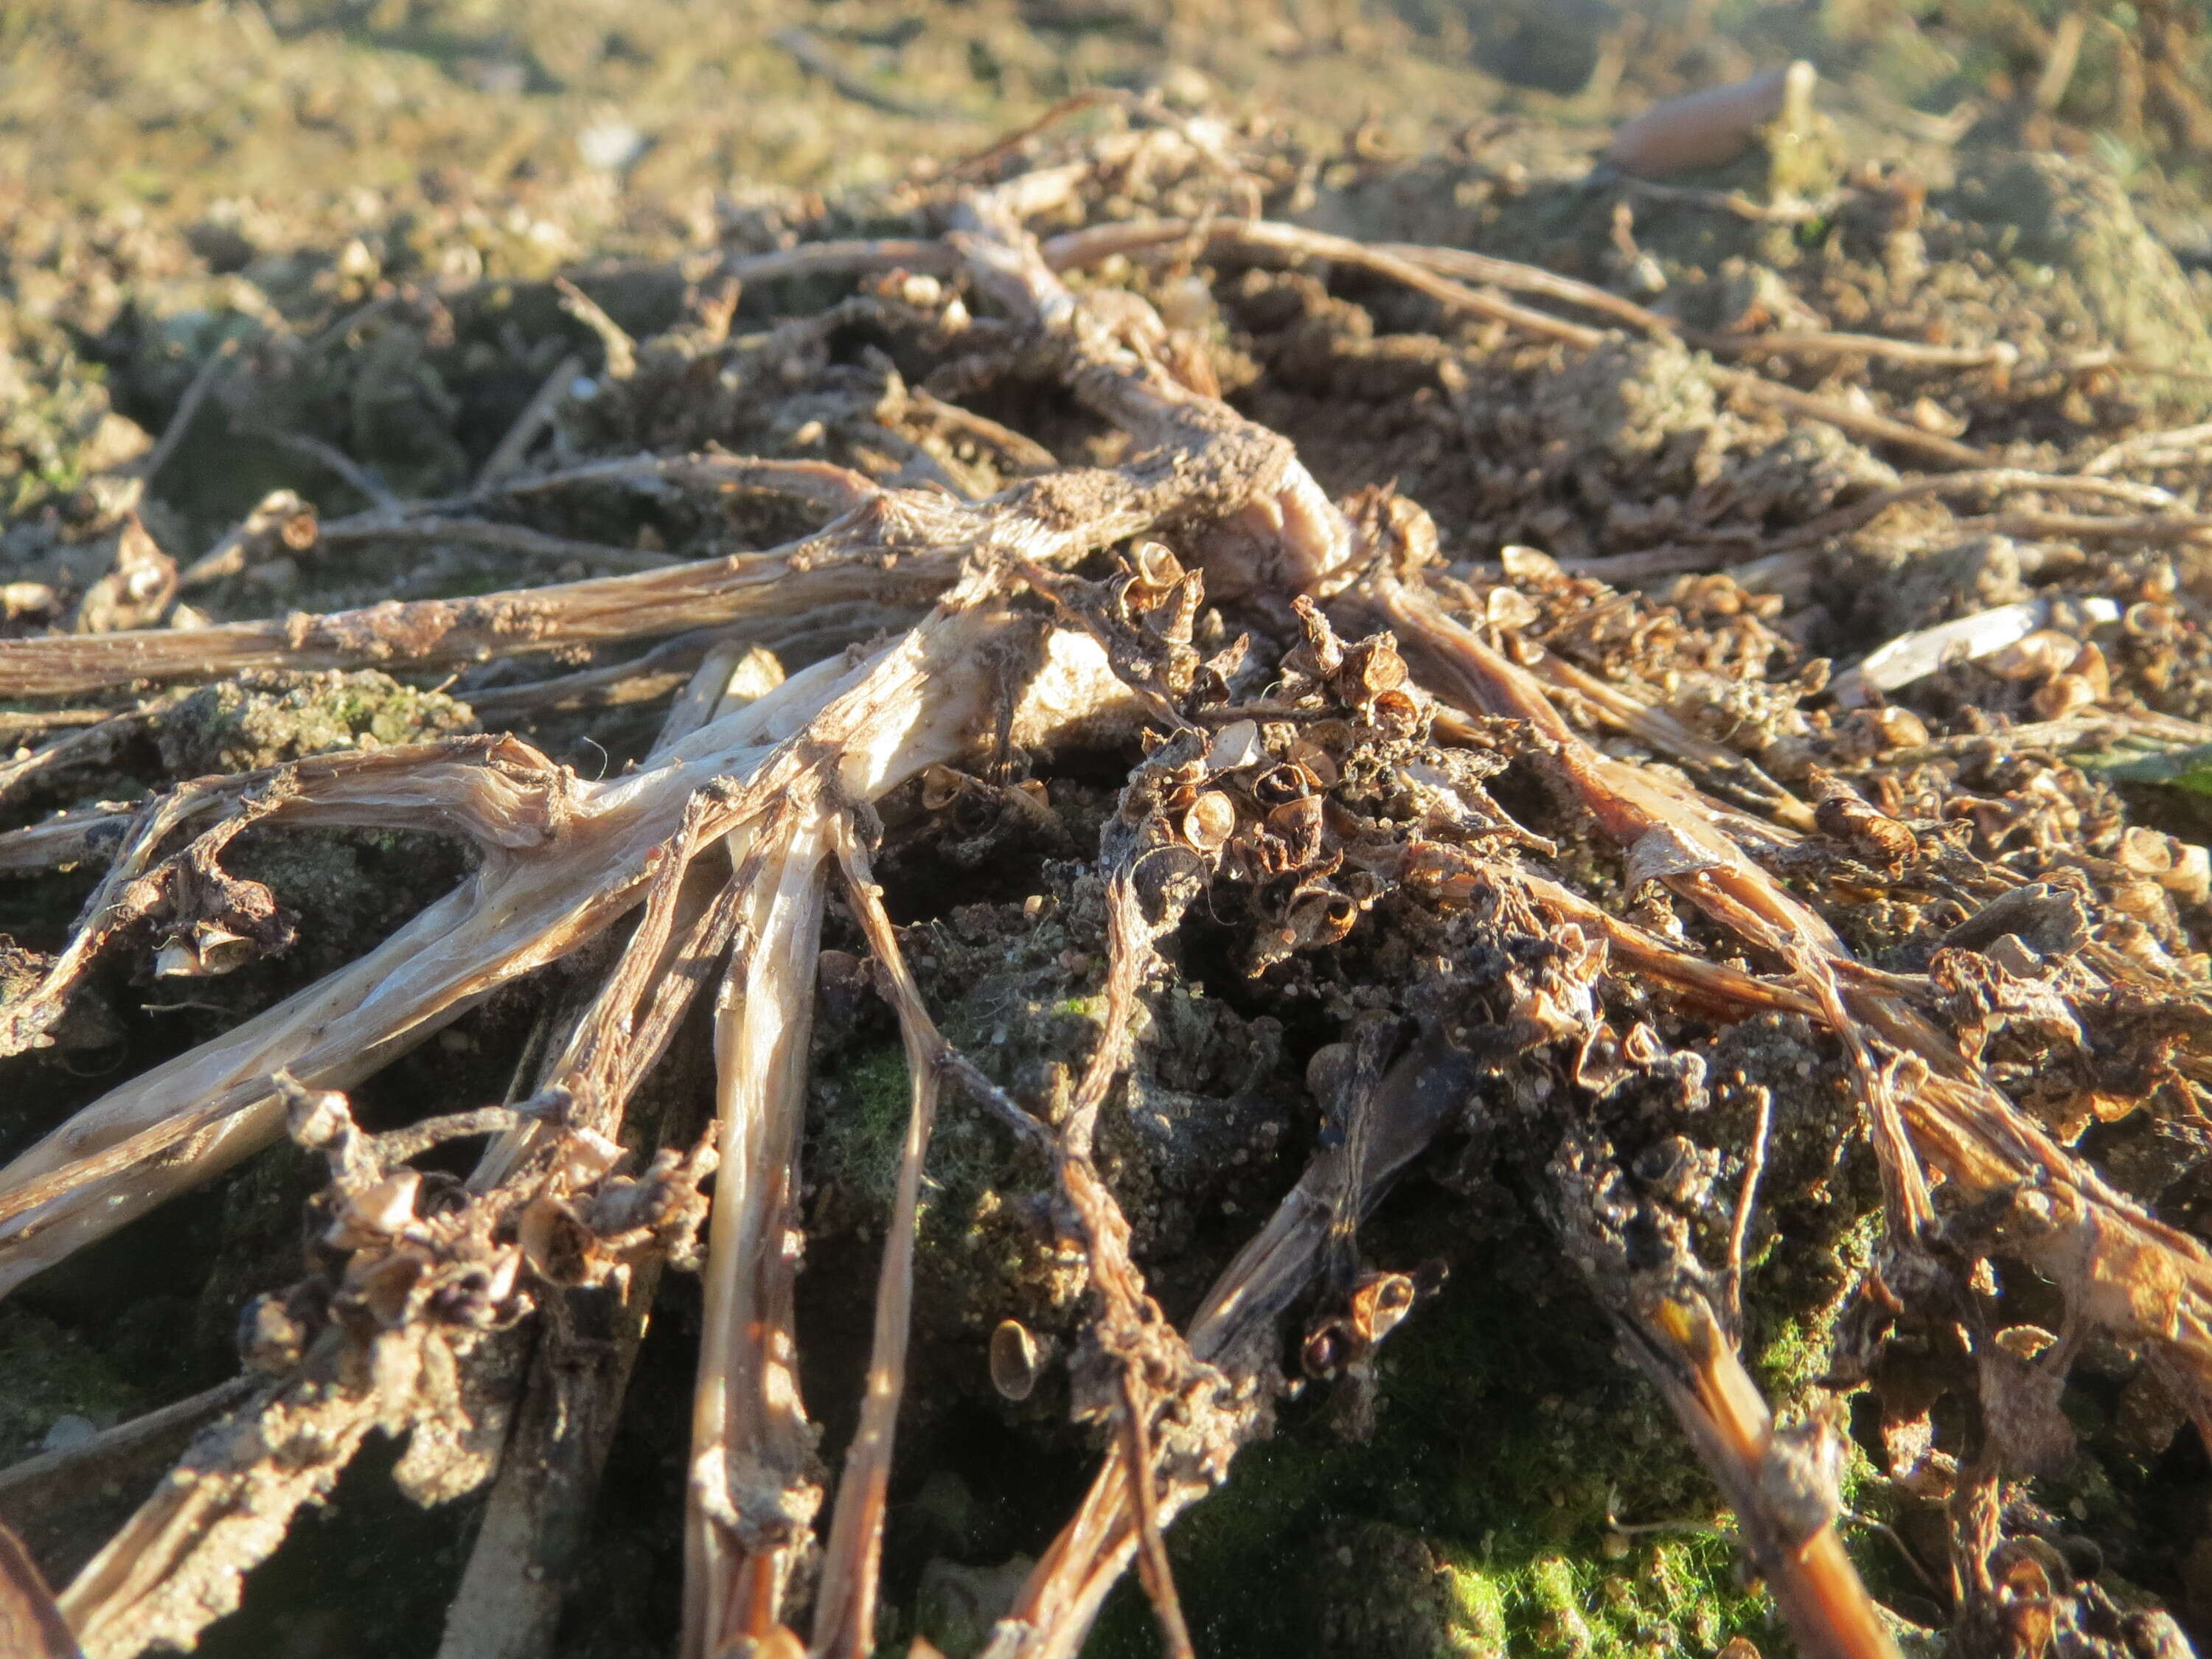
x: 2190, y: 877
x: 1379, y: 1302
x: 1018, y: 1357
x: 2068, y: 693
x: 2090, y: 667
x: 1842, y: 814
x: 1398, y: 713
x: 1296, y: 824
x: 941, y: 787
x: 1370, y: 668
x: 1236, y: 744
x: 1319, y: 916
x: 1209, y: 822
x: 558, y: 1246
x: 1319, y: 764
x: 1895, y: 728
x: 2147, y: 619
x: 1156, y: 566
x: 1529, y: 568
x: 1285, y: 782
x: 2040, y: 655
x: 378, y: 1213
x: 2144, y: 850
x: 1508, y: 607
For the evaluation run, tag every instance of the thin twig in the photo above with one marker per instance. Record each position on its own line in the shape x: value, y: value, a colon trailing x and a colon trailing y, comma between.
x: 1151, y: 1550
x: 489, y: 533
x: 39, y: 1485
x: 847, y: 258
x: 619, y: 350
x: 363, y: 482
x: 844, y: 1607
x: 816, y: 59
x: 1754, y: 1166
x: 537, y: 415
x: 202, y: 382
x: 1981, y: 481
x: 2171, y: 447
x: 1726, y: 201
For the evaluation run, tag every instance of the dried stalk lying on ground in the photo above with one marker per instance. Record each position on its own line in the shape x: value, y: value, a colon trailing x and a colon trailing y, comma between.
x: 723, y: 842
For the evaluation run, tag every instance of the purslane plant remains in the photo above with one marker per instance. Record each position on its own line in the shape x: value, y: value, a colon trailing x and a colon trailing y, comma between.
x: 1336, y: 743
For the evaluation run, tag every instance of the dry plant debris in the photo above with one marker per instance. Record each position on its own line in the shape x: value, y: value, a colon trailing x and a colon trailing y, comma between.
x: 1178, y: 558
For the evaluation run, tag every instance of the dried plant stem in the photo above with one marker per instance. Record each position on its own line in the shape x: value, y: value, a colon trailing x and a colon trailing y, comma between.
x: 537, y: 415
x: 1263, y: 238
x: 1669, y: 736
x: 87, y: 746
x: 533, y: 1536
x: 2125, y: 1273
x: 332, y: 458
x: 1678, y: 1343
x: 202, y: 382
x: 852, y: 258
x: 227, y: 1508
x: 897, y: 546
x: 1153, y: 1359
x: 1234, y: 1329
x: 845, y: 1604
x: 1981, y: 481
x: 131, y: 1450
x: 839, y: 565
x: 189, y: 1120
x: 752, y: 1493
x: 1754, y: 1166
x: 509, y: 1600
x: 2175, y: 446
x: 491, y: 534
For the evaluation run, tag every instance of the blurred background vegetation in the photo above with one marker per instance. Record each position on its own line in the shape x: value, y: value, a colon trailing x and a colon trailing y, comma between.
x: 183, y: 108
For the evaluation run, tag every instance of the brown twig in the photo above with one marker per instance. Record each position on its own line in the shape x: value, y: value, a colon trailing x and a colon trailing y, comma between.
x: 537, y: 415
x: 816, y: 59
x: 31, y: 1624
x: 1981, y: 481
x: 489, y: 533
x: 847, y: 258
x: 133, y: 1449
x: 365, y: 483
x: 202, y: 382
x: 618, y: 351
x: 1754, y: 1165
